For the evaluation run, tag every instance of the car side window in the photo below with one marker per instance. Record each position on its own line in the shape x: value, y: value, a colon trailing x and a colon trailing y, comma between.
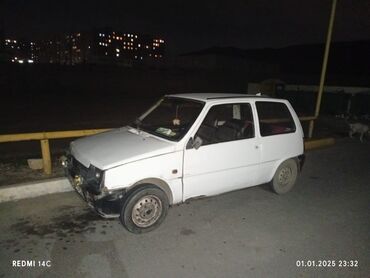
x: 227, y: 122
x: 274, y: 118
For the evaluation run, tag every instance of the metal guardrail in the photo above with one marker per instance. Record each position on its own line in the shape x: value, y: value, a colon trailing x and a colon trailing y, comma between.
x: 44, y: 138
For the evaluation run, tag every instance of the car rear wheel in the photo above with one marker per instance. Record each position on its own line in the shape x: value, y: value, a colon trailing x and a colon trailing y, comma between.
x: 144, y: 209
x: 285, y: 177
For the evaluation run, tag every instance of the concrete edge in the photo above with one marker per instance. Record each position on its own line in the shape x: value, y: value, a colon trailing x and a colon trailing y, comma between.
x: 34, y: 189
x: 58, y: 185
x: 318, y: 143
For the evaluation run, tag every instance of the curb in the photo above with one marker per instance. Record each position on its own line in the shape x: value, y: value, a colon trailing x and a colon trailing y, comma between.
x: 318, y: 143
x: 34, y: 189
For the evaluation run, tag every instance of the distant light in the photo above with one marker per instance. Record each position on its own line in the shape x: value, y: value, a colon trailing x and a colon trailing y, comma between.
x: 117, y: 54
x: 15, y: 41
x: 117, y: 50
x: 30, y: 61
x: 20, y: 61
x: 15, y: 58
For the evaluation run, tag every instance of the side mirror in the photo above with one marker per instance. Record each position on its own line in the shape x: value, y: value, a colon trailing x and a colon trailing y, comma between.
x: 194, y: 143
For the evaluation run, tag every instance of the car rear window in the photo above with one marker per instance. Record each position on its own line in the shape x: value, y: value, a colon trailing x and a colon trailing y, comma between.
x: 274, y: 118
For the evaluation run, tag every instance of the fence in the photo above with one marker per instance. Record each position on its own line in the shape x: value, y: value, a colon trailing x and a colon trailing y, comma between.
x: 44, y: 138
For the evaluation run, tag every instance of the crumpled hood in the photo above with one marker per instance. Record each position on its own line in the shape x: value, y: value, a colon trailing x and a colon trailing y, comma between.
x: 116, y: 147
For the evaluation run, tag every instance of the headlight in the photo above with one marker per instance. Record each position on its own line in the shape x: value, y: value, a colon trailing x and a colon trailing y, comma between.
x: 64, y: 161
x: 94, y: 179
x: 95, y: 174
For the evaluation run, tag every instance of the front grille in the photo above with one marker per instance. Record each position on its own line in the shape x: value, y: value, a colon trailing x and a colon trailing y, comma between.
x: 77, y: 168
x: 89, y: 181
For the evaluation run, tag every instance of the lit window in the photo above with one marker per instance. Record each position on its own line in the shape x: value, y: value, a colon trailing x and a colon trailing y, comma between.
x: 106, y: 53
x: 117, y: 54
x: 135, y: 36
x: 139, y: 45
x: 132, y: 40
x: 109, y: 41
x: 117, y: 50
x: 124, y: 47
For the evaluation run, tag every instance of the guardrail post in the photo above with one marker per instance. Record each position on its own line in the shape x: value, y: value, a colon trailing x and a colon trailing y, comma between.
x: 46, y: 160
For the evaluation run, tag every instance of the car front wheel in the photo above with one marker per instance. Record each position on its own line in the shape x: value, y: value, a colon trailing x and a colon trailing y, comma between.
x: 144, y: 209
x: 285, y: 177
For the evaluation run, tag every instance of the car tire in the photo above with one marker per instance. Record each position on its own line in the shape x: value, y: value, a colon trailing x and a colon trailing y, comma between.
x: 144, y: 209
x: 285, y: 177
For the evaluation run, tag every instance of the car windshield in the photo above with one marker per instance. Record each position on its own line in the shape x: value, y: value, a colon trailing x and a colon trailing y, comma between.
x: 170, y: 118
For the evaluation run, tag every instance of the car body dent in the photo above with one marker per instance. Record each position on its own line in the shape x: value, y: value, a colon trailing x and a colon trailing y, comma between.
x: 160, y: 168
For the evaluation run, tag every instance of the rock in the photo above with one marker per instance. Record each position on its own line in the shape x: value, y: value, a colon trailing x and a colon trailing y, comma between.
x: 35, y: 163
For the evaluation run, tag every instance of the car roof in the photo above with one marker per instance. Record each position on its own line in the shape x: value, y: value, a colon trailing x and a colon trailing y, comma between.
x: 216, y: 96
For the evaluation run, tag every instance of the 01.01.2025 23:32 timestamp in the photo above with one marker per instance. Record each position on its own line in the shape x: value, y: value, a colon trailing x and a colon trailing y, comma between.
x: 327, y: 263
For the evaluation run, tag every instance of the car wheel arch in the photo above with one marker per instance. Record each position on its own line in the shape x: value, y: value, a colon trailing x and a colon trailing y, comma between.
x: 279, y: 162
x: 161, y: 184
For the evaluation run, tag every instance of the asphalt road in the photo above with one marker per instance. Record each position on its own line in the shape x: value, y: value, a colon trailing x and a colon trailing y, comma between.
x: 248, y: 233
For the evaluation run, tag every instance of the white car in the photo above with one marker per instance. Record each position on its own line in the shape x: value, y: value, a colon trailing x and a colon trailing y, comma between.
x: 187, y: 146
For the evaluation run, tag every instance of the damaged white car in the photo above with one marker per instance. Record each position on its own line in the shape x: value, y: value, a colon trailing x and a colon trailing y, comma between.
x: 186, y: 146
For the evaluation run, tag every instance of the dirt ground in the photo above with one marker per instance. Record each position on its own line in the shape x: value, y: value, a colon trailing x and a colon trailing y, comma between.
x: 19, y: 172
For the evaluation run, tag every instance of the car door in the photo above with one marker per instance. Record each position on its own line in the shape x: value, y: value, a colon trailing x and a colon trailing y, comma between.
x: 280, y: 137
x: 229, y: 155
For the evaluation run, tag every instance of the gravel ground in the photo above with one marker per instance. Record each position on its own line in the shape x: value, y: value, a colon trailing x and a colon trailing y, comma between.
x: 248, y: 233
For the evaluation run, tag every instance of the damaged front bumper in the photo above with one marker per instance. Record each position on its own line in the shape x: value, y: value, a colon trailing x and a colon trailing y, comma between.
x: 107, y: 204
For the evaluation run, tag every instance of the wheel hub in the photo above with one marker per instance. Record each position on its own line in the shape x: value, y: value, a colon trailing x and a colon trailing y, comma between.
x: 146, y: 211
x: 285, y: 176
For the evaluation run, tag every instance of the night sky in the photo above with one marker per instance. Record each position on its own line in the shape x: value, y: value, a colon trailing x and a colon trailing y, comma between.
x: 193, y: 25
